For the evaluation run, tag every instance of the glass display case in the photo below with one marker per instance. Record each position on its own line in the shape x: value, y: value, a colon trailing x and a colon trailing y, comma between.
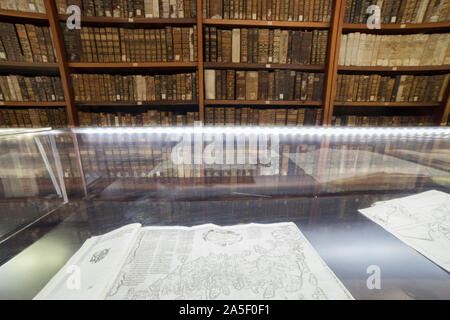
x: 60, y: 187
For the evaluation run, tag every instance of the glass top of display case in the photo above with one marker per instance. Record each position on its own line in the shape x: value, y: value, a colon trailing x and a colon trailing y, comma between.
x: 60, y: 187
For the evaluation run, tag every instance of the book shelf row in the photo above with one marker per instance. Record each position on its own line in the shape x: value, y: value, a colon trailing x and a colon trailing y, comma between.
x: 219, y: 115
x: 325, y: 62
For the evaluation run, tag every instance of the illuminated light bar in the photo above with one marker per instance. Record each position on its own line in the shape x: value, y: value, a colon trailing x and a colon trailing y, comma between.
x: 328, y: 131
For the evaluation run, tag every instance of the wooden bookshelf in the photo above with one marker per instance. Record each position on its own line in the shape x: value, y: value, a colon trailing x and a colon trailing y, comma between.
x: 418, y: 69
x: 264, y: 102
x: 19, y: 15
x: 32, y: 104
x: 267, y: 24
x: 132, y: 65
x: 417, y: 27
x: 113, y: 21
x: 29, y: 66
x: 336, y: 27
x: 138, y: 104
x: 262, y: 66
x: 386, y: 104
x: 339, y: 27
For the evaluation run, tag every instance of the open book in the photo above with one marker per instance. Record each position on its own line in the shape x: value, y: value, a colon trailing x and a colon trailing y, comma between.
x: 253, y: 261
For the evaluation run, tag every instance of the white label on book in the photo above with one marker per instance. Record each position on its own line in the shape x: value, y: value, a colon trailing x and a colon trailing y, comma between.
x: 44, y: 58
x: 32, y: 6
x: 138, y: 12
x: 163, y: 96
x: 270, y: 59
x: 254, y: 16
x: 53, y: 97
x: 300, y: 18
x: 281, y: 96
x: 149, y: 15
x: 124, y: 57
x: 2, y: 55
x: 118, y: 97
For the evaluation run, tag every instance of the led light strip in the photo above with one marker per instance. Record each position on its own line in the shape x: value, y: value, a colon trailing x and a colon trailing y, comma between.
x: 328, y: 131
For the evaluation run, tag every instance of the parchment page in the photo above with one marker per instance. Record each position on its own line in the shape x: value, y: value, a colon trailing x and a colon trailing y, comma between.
x: 96, y: 263
x: 254, y: 261
x: 422, y: 221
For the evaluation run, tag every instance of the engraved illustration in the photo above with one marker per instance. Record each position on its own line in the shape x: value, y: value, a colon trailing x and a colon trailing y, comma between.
x: 222, y: 237
x: 275, y: 268
x: 99, y: 255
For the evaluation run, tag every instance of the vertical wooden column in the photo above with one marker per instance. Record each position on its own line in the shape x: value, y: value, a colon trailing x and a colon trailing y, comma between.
x: 61, y: 55
x: 444, y: 109
x: 331, y: 67
x: 201, y: 98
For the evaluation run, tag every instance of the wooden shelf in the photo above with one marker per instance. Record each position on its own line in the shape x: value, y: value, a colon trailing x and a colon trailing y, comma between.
x: 32, y: 104
x: 263, y: 102
x: 23, y: 15
x: 444, y: 25
x: 127, y: 21
x: 416, y: 69
x: 258, y: 66
x: 267, y: 24
x: 28, y: 65
x: 127, y: 65
x: 336, y: 28
x: 385, y: 104
x: 137, y: 104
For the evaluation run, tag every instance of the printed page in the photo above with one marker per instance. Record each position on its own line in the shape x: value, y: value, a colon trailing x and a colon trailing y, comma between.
x: 254, y: 261
x: 422, y: 221
x: 91, y: 269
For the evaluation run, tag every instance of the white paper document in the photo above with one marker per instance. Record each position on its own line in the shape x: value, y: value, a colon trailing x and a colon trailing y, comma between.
x: 422, y: 221
x: 253, y: 261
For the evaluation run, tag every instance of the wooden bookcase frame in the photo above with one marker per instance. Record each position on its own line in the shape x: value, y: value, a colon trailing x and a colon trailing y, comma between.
x: 335, y: 28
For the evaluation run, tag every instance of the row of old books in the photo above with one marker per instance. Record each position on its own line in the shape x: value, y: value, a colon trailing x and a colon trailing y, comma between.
x: 37, y: 6
x: 108, y: 44
x: 144, y: 119
x: 39, y: 88
x: 361, y: 49
x: 255, y: 45
x: 27, y: 42
x: 133, y: 8
x: 33, y: 117
x: 230, y: 116
x: 398, y: 11
x: 401, y: 88
x: 135, y: 88
x: 273, y: 85
x: 381, y: 121
x: 275, y: 10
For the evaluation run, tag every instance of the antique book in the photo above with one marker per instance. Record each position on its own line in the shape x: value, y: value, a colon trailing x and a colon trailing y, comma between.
x: 236, y: 46
x: 251, y: 90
